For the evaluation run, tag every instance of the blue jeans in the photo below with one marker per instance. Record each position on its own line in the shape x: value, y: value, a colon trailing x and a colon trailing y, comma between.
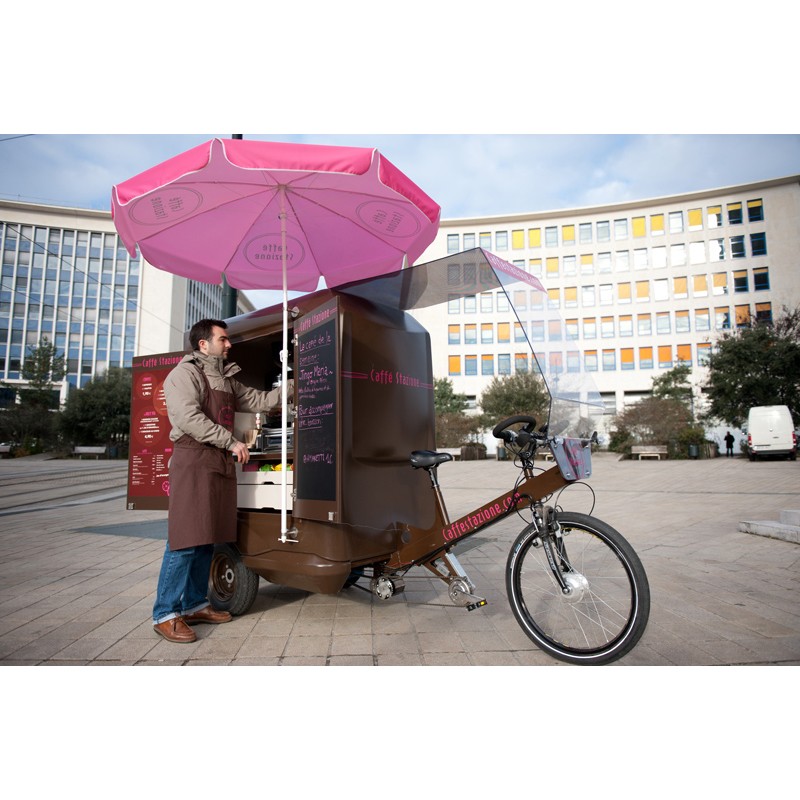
x: 183, y: 582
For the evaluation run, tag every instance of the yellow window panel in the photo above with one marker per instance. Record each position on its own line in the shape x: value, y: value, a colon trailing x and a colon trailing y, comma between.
x: 695, y: 218
x: 645, y: 353
x: 534, y: 237
x: 454, y: 365
x: 656, y: 224
x: 554, y: 295
x: 721, y: 282
x: 587, y: 259
x: 700, y: 285
x: 762, y: 308
x: 685, y: 353
x: 568, y: 234
x: 664, y: 353
x: 742, y: 315
x: 680, y: 286
x: 642, y: 290
x: 517, y: 240
x: 754, y: 204
x: 639, y: 227
x: 624, y: 291
x: 552, y: 265
x: 571, y: 294
x: 503, y: 331
x: 626, y: 355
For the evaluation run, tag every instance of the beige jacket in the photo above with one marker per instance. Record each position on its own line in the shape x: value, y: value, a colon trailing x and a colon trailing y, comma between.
x: 184, y: 389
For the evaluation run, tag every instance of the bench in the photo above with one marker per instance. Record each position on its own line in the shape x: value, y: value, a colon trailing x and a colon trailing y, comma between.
x: 649, y: 451
x: 454, y: 451
x: 95, y: 452
x: 5, y: 450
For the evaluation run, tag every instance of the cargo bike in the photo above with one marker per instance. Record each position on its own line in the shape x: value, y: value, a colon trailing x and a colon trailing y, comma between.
x: 361, y: 488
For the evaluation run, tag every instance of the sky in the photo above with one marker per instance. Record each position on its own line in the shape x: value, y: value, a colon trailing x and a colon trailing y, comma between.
x: 467, y: 174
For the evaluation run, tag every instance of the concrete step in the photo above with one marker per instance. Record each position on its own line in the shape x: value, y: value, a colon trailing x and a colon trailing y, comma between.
x: 788, y: 529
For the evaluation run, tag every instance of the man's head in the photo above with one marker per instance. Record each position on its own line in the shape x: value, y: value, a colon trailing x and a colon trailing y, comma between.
x: 208, y: 336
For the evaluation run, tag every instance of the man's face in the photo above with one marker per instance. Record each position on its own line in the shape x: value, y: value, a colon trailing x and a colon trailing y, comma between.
x: 217, y: 345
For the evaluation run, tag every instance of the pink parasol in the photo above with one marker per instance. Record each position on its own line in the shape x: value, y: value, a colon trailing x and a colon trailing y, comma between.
x: 275, y: 215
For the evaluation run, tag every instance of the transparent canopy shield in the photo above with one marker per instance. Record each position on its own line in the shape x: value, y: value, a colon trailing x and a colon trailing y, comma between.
x: 537, y: 326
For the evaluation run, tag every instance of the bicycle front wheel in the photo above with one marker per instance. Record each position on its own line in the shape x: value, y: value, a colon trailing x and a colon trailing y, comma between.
x: 601, y: 612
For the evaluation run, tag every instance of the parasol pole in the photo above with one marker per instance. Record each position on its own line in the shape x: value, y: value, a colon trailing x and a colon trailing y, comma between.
x: 284, y: 372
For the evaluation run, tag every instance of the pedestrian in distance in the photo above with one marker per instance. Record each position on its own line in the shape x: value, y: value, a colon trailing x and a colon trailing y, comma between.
x: 202, y: 396
x: 729, y: 445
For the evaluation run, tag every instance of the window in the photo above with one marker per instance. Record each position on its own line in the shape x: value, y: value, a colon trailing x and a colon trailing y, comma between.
x: 702, y: 320
x: 640, y: 258
x: 703, y: 354
x: 454, y: 334
x: 504, y: 364
x: 503, y: 332
x: 658, y: 256
x: 677, y: 255
x: 535, y: 267
x: 590, y: 328
x: 470, y: 304
x: 695, y: 219
x: 639, y: 225
x: 676, y: 221
x: 554, y: 330
x: 534, y: 237
x: 661, y: 289
x: 645, y: 358
x: 470, y: 365
x: 521, y: 362
x: 517, y: 240
x: 487, y: 333
x: 607, y: 327
x: 665, y: 356
x: 740, y: 282
x: 551, y: 266
x: 604, y: 231
x: 551, y: 237
x: 682, y: 323
x: 571, y: 329
x: 606, y: 294
x: 587, y: 296
x: 554, y: 298
x: 604, y: 262
x: 642, y: 291
x: 761, y: 279
x: 585, y: 232
x: 590, y: 360
x: 487, y: 302
x: 501, y: 240
x: 587, y: 264
x: 487, y: 365
x: 716, y: 249
x: 722, y: 318
x: 755, y: 211
x: 623, y: 292
x: 567, y: 234
x: 620, y: 229
x: 758, y: 244
x: 734, y: 213
x: 626, y: 325
x: 571, y: 297
x: 663, y: 322
x: 471, y: 334
x: 537, y: 330
x: 700, y: 285
x: 454, y: 305
x: 623, y: 259
x: 519, y: 332
x: 570, y: 265
x: 764, y: 312
x: 684, y: 355
x: 454, y: 365
x: 644, y: 324
x: 714, y: 216
x: 573, y: 361
x: 720, y: 283
x: 502, y: 301
x: 742, y: 316
x: 609, y: 360
x: 656, y: 224
x: 697, y: 252
x: 452, y: 243
x: 485, y: 240
x: 737, y: 247
x: 626, y: 358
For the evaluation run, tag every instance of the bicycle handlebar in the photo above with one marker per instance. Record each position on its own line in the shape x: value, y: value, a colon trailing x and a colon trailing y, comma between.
x: 523, y: 437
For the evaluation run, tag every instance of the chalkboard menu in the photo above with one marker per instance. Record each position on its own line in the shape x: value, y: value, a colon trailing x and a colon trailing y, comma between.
x: 316, y: 370
x: 150, y: 445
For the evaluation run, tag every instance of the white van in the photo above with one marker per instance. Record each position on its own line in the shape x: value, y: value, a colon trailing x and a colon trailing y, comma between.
x: 770, y: 432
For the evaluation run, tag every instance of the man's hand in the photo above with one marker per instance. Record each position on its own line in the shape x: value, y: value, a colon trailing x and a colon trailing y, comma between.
x: 241, y: 452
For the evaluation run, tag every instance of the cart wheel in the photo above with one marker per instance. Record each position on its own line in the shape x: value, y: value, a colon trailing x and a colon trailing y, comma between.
x: 231, y: 585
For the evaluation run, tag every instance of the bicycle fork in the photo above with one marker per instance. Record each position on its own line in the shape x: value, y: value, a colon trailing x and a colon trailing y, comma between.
x: 552, y: 542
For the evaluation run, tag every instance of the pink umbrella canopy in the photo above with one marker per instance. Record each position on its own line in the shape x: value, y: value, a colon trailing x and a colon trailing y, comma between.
x: 247, y: 209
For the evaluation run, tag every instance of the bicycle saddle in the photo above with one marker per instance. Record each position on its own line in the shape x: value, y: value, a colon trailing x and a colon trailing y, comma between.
x: 428, y: 458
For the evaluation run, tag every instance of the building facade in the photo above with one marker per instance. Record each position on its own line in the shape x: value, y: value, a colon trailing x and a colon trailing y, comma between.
x: 67, y: 276
x: 632, y: 289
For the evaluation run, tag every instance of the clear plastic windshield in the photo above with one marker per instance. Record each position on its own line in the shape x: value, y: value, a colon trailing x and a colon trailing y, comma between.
x: 538, y: 325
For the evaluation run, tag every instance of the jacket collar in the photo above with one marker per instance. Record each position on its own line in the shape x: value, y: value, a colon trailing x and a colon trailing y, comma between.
x: 215, y: 365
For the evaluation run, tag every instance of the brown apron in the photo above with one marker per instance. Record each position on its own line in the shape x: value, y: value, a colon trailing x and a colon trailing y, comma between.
x: 202, y: 482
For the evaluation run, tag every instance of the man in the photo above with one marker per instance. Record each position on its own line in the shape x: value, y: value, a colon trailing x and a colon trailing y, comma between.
x: 202, y: 396
x: 729, y: 440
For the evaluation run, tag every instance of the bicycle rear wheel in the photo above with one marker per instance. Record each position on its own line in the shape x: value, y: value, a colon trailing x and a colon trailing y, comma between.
x: 605, y: 610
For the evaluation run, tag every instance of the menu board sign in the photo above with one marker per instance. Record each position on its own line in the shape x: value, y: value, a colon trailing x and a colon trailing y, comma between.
x: 150, y: 445
x: 316, y: 370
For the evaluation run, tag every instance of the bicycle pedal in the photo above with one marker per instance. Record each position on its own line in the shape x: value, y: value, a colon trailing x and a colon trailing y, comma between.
x: 481, y: 602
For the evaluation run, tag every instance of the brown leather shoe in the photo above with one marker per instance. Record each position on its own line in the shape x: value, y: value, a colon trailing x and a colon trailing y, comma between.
x: 175, y: 630
x: 208, y: 614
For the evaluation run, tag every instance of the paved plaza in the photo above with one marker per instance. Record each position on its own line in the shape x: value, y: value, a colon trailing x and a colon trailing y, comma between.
x: 78, y: 574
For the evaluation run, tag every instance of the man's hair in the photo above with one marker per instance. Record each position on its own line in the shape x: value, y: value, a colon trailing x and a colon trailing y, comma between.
x: 203, y: 330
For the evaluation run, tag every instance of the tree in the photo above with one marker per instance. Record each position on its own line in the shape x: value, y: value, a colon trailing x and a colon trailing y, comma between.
x: 522, y: 393
x: 100, y: 412
x: 453, y: 427
x: 674, y: 385
x: 445, y: 400
x: 757, y: 365
x: 32, y: 421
